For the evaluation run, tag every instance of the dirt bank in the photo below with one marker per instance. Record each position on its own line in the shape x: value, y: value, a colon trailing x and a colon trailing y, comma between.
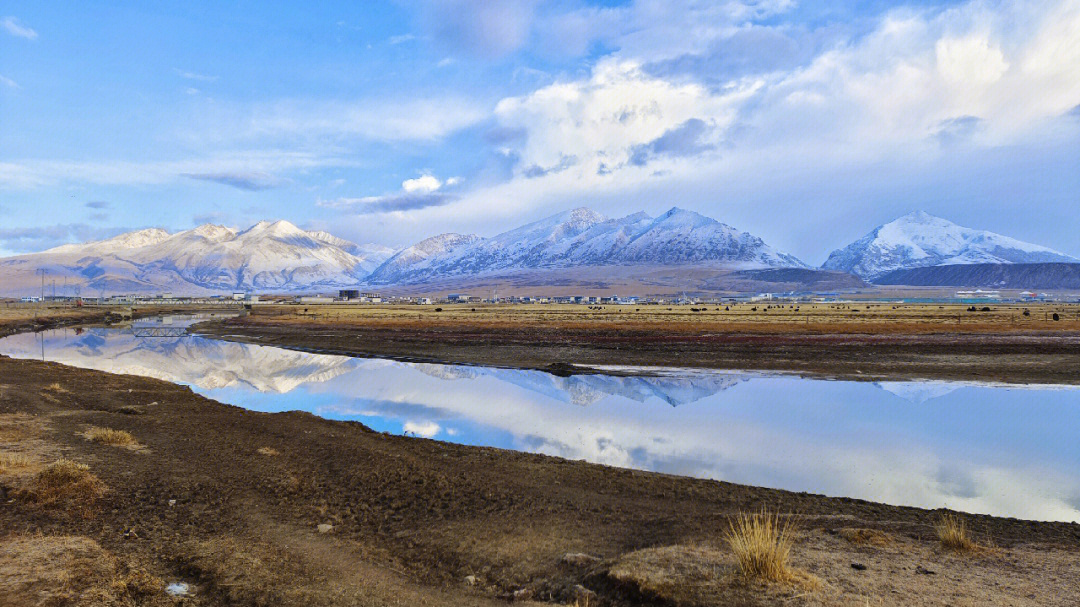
x: 987, y: 348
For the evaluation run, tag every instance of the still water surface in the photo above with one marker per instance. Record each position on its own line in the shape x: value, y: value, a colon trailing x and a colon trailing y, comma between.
x: 1008, y: 451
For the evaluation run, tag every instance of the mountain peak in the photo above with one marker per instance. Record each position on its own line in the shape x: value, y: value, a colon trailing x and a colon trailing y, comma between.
x: 920, y: 239
x: 920, y: 218
x: 212, y: 231
x: 136, y: 239
x: 280, y: 227
x: 919, y: 215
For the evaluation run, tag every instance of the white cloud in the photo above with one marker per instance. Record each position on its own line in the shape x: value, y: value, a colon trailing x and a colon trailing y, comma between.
x: 421, y: 185
x: 424, y: 429
x: 15, y: 28
x: 1006, y: 74
x: 8, y: 82
x: 419, y: 193
x: 596, y: 124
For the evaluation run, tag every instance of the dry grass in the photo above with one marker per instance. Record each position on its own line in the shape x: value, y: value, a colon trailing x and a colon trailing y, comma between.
x: 18, y: 427
x: 68, y: 483
x: 15, y: 462
x: 73, y: 571
x: 56, y: 387
x: 762, y: 546
x: 953, y: 534
x: 758, y: 317
x: 269, y: 451
x: 864, y: 537
x: 109, y: 436
x: 680, y: 574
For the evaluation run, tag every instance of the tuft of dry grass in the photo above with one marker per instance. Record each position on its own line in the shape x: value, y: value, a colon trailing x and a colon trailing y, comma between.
x: 953, y: 534
x: 10, y: 462
x: 762, y: 546
x: 109, y: 436
x: 872, y: 537
x: 56, y: 387
x: 66, y: 482
x: 268, y: 451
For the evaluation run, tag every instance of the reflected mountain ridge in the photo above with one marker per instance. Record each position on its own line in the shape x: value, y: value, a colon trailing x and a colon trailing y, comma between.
x: 202, y: 363
x: 588, y: 389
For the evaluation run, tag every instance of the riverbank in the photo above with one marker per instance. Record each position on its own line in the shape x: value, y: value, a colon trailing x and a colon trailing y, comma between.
x: 252, y: 508
x: 879, y: 342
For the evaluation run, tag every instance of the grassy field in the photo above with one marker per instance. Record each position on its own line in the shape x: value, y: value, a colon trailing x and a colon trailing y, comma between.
x: 758, y: 317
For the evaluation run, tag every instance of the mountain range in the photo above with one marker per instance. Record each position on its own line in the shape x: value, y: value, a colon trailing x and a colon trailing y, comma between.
x: 582, y: 237
x: 678, y: 250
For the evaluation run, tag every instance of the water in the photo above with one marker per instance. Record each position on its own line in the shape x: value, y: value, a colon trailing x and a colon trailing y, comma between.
x: 1008, y: 451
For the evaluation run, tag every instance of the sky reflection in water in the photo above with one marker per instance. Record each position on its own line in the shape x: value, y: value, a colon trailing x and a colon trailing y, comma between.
x: 1004, y: 451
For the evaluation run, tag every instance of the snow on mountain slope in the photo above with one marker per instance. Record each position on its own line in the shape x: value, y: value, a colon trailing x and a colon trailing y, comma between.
x: 418, y: 258
x: 581, y: 237
x: 206, y: 259
x: 680, y: 236
x: 920, y: 240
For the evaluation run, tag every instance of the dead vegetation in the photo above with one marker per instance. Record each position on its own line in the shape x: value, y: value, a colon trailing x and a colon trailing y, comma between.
x: 762, y: 545
x: 15, y: 462
x: 18, y: 427
x: 866, y: 537
x: 66, y: 483
x: 680, y: 574
x: 268, y: 451
x: 74, y: 571
x: 110, y: 436
x: 954, y: 536
x: 243, y: 572
x: 802, y: 318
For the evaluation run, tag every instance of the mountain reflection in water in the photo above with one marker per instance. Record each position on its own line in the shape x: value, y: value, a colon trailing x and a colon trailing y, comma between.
x: 1008, y: 451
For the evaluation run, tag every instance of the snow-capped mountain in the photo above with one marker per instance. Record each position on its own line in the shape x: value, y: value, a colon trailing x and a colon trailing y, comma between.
x: 206, y: 259
x: 922, y: 240
x: 581, y: 237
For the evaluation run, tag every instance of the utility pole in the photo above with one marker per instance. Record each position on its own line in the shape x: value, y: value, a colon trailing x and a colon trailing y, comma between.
x: 43, y: 272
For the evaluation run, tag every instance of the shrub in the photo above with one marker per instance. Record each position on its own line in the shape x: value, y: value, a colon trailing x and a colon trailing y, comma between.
x: 14, y: 461
x: 953, y: 534
x: 762, y: 546
x: 66, y: 481
x: 872, y: 537
x: 109, y: 436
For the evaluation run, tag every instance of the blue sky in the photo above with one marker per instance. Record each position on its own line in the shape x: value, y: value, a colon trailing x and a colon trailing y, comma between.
x: 806, y: 124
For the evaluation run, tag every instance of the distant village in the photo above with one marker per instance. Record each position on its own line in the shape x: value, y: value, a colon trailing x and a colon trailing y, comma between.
x: 355, y: 296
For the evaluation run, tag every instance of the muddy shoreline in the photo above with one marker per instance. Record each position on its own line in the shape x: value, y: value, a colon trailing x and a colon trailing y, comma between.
x: 1021, y: 358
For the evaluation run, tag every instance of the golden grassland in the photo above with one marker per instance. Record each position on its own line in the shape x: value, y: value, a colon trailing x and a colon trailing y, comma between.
x: 757, y: 317
x: 110, y: 436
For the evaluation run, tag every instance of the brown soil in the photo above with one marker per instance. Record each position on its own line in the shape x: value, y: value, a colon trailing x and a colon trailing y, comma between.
x: 231, y: 502
x: 919, y: 343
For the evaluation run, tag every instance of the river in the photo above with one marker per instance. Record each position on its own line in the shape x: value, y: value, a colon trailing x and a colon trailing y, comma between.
x: 993, y: 449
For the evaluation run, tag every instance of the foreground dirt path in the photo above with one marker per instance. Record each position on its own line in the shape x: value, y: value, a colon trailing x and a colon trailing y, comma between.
x: 864, y: 343
x: 230, y: 501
